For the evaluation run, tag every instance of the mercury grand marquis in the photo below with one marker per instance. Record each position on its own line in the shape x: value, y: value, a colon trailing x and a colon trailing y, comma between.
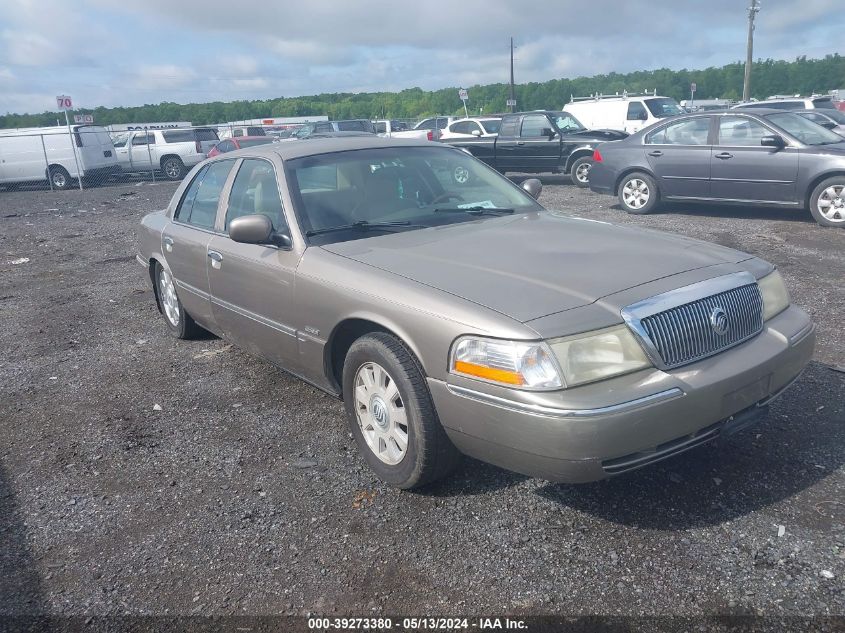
x: 458, y: 316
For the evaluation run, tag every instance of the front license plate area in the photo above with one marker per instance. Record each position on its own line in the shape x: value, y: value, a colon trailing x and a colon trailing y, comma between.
x: 742, y: 420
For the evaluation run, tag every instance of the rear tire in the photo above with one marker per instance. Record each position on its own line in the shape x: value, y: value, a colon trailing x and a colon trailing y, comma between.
x: 391, y: 415
x: 580, y: 172
x: 60, y: 177
x: 638, y: 193
x: 179, y: 322
x: 827, y: 202
x: 173, y: 168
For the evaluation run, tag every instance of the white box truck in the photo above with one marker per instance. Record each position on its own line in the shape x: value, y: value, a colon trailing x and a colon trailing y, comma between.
x: 30, y: 155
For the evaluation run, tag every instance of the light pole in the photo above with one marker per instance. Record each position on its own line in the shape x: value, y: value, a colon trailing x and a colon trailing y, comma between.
x: 753, y: 10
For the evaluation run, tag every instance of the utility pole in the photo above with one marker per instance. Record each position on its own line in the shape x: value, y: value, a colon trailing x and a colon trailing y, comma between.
x: 753, y: 10
x: 512, y: 100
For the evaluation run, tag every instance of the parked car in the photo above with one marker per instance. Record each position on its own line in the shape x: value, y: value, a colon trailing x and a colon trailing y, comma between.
x: 471, y: 320
x: 759, y: 157
x: 832, y: 119
x: 539, y: 142
x: 318, y: 127
x: 231, y: 144
x: 435, y: 124
x: 472, y: 127
x: 173, y: 152
x: 627, y: 113
x: 788, y: 103
x: 237, y: 131
x: 391, y: 129
x: 22, y: 155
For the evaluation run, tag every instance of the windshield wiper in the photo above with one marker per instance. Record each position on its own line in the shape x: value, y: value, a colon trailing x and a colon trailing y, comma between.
x: 363, y: 225
x: 475, y: 210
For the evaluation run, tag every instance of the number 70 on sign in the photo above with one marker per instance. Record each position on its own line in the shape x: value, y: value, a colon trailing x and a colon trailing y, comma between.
x: 63, y: 102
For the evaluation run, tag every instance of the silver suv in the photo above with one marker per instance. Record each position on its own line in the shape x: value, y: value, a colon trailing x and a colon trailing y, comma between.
x: 173, y: 152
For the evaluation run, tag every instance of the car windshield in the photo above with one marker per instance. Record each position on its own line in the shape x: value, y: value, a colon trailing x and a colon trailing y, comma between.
x: 492, y: 127
x: 803, y: 129
x: 349, y: 195
x: 662, y: 107
x: 567, y: 123
x: 254, y: 141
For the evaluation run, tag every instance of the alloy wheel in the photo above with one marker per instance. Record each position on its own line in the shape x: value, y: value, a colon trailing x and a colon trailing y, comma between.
x: 636, y: 193
x: 831, y: 203
x: 167, y: 296
x: 381, y: 413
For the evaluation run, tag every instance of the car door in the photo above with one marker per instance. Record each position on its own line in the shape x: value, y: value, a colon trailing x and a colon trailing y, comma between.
x: 122, y: 149
x: 140, y: 150
x: 252, y: 284
x: 534, y: 150
x: 186, y: 237
x: 742, y: 169
x: 679, y: 156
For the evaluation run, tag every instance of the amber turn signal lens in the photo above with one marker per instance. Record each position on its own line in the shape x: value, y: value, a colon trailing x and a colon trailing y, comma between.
x: 497, y: 375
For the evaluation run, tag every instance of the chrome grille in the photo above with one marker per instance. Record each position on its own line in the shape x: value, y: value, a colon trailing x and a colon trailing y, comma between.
x: 684, y: 334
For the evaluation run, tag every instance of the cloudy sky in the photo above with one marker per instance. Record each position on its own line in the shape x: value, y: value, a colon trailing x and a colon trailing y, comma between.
x: 130, y: 52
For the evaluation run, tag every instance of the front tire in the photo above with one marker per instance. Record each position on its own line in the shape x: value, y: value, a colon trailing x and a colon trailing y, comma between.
x: 638, y: 193
x: 391, y: 415
x: 60, y: 177
x: 173, y: 168
x: 179, y: 322
x: 827, y: 202
x: 580, y: 172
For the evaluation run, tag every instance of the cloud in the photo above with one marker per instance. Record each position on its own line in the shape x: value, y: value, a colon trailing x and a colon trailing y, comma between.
x: 146, y: 51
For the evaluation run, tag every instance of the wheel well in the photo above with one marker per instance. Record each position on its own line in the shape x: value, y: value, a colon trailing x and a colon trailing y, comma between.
x: 575, y: 156
x: 632, y: 170
x: 815, y: 183
x: 340, y: 340
x: 166, y: 156
x: 151, y: 270
x: 53, y: 166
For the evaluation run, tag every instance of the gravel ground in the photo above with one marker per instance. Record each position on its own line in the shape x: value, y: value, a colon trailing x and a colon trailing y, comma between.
x: 144, y: 475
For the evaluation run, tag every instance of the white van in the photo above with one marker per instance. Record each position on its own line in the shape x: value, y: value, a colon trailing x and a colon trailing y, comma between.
x: 23, y: 160
x: 626, y: 112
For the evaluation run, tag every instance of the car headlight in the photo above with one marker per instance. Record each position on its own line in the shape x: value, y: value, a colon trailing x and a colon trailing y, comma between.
x: 598, y: 355
x: 524, y: 365
x: 774, y: 293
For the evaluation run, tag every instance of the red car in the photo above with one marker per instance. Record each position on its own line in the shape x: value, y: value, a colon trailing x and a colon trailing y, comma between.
x: 239, y: 142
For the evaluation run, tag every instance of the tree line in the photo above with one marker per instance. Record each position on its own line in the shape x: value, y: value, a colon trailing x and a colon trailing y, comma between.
x: 804, y: 76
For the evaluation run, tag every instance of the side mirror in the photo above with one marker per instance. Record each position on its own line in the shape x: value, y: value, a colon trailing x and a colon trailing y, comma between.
x: 773, y: 140
x: 547, y: 131
x: 256, y: 229
x: 476, y: 132
x: 533, y: 187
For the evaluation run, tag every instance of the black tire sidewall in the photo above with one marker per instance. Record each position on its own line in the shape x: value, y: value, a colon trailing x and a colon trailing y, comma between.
x: 372, y: 348
x: 654, y: 194
x: 176, y: 330
x: 814, y: 201
x: 572, y: 172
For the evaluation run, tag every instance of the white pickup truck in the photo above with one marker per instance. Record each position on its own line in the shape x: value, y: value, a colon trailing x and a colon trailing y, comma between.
x: 395, y: 129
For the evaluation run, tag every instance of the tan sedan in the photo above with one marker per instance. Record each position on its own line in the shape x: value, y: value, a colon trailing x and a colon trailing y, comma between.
x: 462, y: 317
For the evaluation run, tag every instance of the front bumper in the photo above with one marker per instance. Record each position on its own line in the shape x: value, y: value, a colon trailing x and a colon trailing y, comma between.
x: 594, y: 431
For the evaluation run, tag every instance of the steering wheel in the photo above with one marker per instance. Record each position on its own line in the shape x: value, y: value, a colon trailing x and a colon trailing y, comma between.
x: 448, y: 195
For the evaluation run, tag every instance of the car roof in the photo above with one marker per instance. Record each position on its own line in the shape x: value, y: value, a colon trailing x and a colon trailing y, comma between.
x: 248, y: 138
x: 299, y: 148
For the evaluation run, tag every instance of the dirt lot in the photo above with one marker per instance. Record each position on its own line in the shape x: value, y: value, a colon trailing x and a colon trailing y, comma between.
x: 244, y: 493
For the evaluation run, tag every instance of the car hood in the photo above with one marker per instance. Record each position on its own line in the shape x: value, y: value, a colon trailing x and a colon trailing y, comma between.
x: 534, y: 264
x: 598, y: 136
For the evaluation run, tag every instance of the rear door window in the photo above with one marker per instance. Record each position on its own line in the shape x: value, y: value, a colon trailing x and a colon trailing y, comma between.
x: 203, y: 211
x: 687, y: 132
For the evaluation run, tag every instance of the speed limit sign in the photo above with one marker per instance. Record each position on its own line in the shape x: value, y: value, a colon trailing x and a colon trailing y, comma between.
x: 63, y: 102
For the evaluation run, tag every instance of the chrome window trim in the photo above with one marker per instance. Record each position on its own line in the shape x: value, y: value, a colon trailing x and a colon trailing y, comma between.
x: 554, y: 412
x: 634, y: 313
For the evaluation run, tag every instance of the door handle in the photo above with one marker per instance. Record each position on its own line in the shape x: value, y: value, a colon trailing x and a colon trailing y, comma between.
x: 216, y: 259
x: 168, y: 243
x: 520, y: 142
x: 656, y: 153
x: 724, y: 156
